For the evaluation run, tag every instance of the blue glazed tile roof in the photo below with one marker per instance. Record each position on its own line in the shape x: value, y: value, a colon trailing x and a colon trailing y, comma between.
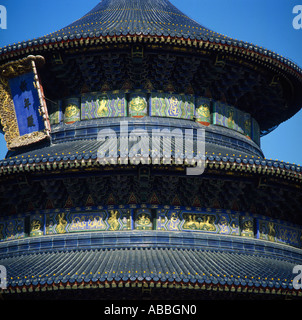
x: 147, y: 17
x: 148, y: 257
x: 148, y: 264
x: 141, y: 17
x: 86, y: 150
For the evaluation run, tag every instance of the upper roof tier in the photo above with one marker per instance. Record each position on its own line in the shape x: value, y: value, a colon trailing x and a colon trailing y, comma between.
x: 134, y: 17
x: 122, y: 17
x: 139, y: 17
x: 177, y: 52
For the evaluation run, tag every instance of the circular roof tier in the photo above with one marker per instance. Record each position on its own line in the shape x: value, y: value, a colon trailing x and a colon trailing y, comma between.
x: 151, y: 44
x: 235, y: 266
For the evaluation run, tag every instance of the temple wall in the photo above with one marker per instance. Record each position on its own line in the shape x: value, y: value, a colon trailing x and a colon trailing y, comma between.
x: 150, y: 217
x: 117, y: 104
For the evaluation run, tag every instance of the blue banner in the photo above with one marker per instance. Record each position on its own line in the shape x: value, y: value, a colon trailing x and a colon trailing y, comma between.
x: 27, y: 103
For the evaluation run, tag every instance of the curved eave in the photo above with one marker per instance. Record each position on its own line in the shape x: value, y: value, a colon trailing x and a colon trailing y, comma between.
x: 160, y: 22
x: 203, y: 42
x: 236, y: 286
x: 198, y: 265
x: 264, y: 58
x: 89, y: 161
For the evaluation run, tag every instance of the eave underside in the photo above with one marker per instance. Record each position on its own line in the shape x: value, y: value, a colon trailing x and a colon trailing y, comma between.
x: 222, y: 186
x: 257, y: 84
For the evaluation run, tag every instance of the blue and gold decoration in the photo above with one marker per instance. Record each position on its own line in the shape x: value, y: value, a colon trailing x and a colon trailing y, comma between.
x: 233, y: 118
x: 172, y: 105
x: 229, y: 223
x: 227, y: 116
x: 12, y: 228
x: 203, y: 111
x: 138, y: 105
x: 213, y: 221
x: 90, y: 221
x: 80, y: 221
x: 72, y: 109
x: 101, y: 105
x: 143, y: 220
x: 150, y: 217
x: 37, y: 225
x: 279, y: 232
x: 55, y: 112
x: 201, y: 222
x: 247, y: 226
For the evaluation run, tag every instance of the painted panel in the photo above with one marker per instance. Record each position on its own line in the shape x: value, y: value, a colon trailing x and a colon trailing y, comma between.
x: 247, y: 124
x: 172, y: 105
x: 202, y: 222
x: 143, y: 220
x: 232, y: 118
x: 203, y: 111
x: 289, y: 235
x: 103, y: 220
x: 138, y: 105
x: 223, y: 115
x: 11, y: 228
x: 56, y: 223
x: 168, y: 220
x: 247, y: 226
x: 36, y: 225
x: 72, y: 112
x: 281, y: 233
x: 55, y: 112
x: 100, y: 105
x: 229, y: 224
x: 222, y: 222
x: 87, y: 221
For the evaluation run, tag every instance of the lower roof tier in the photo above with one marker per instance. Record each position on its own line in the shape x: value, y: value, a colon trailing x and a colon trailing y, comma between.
x: 150, y: 259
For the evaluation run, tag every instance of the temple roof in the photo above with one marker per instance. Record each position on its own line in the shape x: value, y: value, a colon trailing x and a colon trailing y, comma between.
x: 115, y: 17
x: 140, y: 17
x: 231, y: 263
x: 135, y: 17
x: 91, y: 54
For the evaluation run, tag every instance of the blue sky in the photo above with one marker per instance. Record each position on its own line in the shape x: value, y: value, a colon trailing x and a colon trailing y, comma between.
x: 267, y: 23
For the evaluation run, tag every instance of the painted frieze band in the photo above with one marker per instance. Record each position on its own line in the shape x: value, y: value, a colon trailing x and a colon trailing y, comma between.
x: 150, y: 217
x: 140, y: 104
